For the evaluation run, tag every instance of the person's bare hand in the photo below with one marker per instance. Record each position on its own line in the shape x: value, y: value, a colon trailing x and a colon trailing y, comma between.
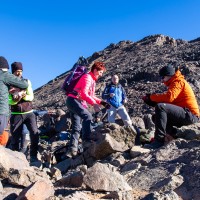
x: 16, y: 97
x: 23, y: 93
x: 112, y: 94
x: 125, y: 101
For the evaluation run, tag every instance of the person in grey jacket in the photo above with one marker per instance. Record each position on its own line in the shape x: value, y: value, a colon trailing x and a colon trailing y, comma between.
x: 6, y: 81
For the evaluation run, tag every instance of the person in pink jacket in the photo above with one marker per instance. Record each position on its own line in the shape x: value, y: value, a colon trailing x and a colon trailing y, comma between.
x: 83, y: 93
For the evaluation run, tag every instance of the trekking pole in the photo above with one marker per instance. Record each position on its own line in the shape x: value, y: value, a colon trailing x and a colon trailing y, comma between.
x: 104, y: 116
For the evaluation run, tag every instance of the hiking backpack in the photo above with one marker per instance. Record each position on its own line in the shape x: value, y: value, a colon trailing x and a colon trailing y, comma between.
x: 77, y: 71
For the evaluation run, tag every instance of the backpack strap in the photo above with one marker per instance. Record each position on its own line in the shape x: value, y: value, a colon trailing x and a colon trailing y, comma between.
x: 72, y: 73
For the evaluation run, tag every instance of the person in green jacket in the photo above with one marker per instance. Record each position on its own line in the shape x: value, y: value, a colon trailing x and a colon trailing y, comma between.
x: 6, y: 81
x: 22, y: 113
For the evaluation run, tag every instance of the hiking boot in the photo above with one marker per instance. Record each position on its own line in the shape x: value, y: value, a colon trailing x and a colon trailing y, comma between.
x: 154, y: 145
x: 33, y: 159
x: 35, y: 162
x: 168, y: 138
x: 137, y: 138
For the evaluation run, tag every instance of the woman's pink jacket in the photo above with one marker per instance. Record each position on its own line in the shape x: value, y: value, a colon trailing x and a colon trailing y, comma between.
x: 86, y: 90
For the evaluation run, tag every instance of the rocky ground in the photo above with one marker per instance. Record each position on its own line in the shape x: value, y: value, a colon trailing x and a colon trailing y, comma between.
x: 113, y: 167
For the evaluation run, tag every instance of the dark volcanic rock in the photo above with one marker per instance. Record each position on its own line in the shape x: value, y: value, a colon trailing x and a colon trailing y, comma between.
x: 137, y: 63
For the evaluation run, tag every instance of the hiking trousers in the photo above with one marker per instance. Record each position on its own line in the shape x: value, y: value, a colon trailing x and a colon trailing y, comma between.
x: 3, y: 123
x: 121, y: 111
x: 16, y: 126
x: 80, y: 118
x: 168, y: 115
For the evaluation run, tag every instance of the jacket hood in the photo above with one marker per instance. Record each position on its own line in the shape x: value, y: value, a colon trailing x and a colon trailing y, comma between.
x: 176, y: 76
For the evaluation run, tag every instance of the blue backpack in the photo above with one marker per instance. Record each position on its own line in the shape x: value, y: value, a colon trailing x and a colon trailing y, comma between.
x: 77, y: 71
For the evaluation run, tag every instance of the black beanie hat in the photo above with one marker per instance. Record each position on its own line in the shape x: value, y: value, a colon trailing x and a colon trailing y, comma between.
x: 16, y: 66
x: 167, y: 71
x: 3, y: 63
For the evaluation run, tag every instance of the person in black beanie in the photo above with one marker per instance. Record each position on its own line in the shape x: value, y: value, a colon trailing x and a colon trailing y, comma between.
x: 16, y: 66
x: 6, y: 81
x: 22, y: 113
x: 174, y: 108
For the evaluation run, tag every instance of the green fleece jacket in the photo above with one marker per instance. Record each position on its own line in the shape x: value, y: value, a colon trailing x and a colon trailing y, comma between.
x: 6, y: 81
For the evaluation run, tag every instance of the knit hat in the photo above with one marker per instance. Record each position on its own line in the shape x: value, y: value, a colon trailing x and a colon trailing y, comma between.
x: 3, y: 63
x: 16, y: 66
x: 167, y: 71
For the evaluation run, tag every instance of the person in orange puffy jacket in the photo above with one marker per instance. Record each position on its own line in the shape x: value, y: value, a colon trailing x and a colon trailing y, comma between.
x: 175, y: 107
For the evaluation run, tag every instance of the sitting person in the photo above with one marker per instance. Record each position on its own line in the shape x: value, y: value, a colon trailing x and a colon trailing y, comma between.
x: 175, y: 107
x: 97, y: 120
x: 54, y: 123
x: 62, y: 122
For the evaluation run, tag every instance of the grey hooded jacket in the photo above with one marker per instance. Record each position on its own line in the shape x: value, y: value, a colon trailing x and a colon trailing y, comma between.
x: 6, y: 80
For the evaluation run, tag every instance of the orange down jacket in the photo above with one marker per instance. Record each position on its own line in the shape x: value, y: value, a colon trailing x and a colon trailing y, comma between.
x: 179, y: 93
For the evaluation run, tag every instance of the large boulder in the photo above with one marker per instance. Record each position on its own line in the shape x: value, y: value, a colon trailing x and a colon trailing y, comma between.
x: 103, y: 177
x: 40, y: 190
x: 122, y: 134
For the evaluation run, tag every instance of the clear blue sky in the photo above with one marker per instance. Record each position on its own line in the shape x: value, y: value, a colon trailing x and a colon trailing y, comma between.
x: 48, y: 36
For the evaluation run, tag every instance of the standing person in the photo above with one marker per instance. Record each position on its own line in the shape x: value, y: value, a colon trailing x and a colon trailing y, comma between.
x: 25, y: 140
x: 84, y: 92
x: 22, y: 113
x: 175, y: 107
x: 6, y: 80
x: 115, y: 95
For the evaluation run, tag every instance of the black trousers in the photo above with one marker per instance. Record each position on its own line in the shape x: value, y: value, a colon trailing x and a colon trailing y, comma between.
x: 81, y: 120
x: 168, y: 115
x: 16, y: 127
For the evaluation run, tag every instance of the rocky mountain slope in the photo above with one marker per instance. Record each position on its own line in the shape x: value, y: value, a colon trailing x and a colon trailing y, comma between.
x: 137, y: 63
x: 113, y: 167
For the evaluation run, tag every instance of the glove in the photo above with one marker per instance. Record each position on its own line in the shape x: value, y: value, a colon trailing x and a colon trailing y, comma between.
x: 97, y: 116
x: 96, y: 108
x: 148, y: 100
x: 105, y: 104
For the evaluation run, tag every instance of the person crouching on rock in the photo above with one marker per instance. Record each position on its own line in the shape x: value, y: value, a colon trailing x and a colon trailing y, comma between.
x: 175, y: 107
